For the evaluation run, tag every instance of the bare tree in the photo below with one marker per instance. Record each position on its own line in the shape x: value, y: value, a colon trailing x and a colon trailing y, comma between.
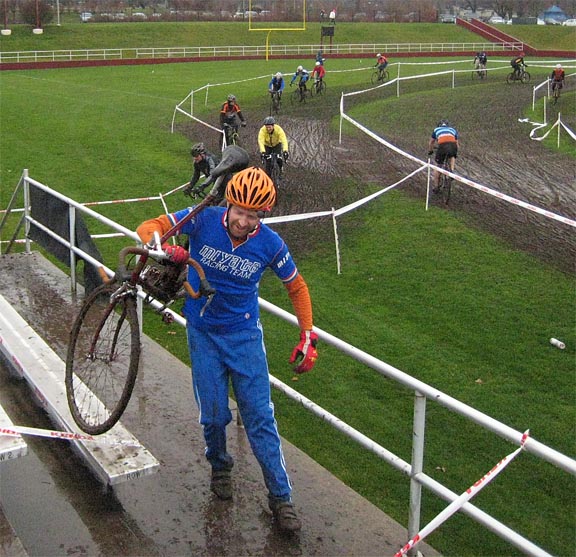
x: 503, y: 8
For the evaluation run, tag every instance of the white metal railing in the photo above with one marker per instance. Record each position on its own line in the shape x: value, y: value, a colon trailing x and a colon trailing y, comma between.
x: 423, y: 393
x: 247, y: 51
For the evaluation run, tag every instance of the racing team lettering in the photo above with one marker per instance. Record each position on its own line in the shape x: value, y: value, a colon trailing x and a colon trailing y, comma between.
x: 228, y: 262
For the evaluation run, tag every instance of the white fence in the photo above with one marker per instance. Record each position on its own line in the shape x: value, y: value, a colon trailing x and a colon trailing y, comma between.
x: 248, y: 51
x: 423, y: 393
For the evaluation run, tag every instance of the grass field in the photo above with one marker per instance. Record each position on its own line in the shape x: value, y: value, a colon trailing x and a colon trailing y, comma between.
x: 422, y: 291
x: 78, y: 36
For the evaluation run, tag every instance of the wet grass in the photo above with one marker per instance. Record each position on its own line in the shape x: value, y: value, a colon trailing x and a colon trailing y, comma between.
x: 423, y: 292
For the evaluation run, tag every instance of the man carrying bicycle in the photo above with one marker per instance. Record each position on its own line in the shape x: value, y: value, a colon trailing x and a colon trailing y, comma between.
x: 381, y: 64
x: 204, y: 163
x: 225, y: 338
x: 272, y: 141
x: 276, y: 84
x: 302, y: 76
x: 557, y: 77
x: 318, y: 74
x: 518, y: 64
x: 446, y: 137
x: 230, y: 113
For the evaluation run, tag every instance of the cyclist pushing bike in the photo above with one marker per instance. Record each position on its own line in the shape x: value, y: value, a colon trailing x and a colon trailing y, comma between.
x: 204, y: 163
x: 446, y: 138
x: 234, y: 159
x: 302, y: 76
x: 230, y: 114
x: 272, y: 140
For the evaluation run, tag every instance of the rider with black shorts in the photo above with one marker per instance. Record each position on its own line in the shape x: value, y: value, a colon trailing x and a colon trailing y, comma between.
x: 446, y: 137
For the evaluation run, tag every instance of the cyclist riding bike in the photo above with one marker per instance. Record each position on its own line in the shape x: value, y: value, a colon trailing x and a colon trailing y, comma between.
x: 446, y: 137
x: 302, y: 76
x: 318, y: 74
x: 276, y: 84
x: 381, y: 63
x: 518, y: 64
x: 272, y: 140
x: 204, y: 163
x: 557, y: 77
x: 480, y: 61
x: 230, y: 113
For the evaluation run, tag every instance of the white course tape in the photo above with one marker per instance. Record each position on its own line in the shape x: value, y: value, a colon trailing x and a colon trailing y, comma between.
x: 466, y: 496
x: 17, y: 431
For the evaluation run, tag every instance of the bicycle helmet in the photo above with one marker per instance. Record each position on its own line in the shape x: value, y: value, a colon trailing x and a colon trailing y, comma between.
x: 197, y: 149
x: 279, y: 75
x: 299, y: 68
x: 317, y: 63
x: 269, y: 121
x: 378, y: 55
x: 558, y: 66
x: 251, y: 189
x: 231, y: 98
x: 443, y: 122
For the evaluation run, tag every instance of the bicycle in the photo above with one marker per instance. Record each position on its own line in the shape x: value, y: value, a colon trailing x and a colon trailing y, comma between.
x: 275, y: 102
x: 318, y: 87
x: 231, y: 134
x: 556, y: 87
x: 444, y: 187
x: 479, y: 73
x: 521, y: 75
x: 379, y: 76
x: 104, y: 348
x: 273, y: 167
x: 299, y: 95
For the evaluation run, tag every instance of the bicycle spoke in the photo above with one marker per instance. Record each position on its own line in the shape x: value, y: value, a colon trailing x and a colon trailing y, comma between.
x: 102, y: 360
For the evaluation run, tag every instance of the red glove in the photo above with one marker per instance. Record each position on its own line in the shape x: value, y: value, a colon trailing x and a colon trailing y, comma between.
x: 305, y: 353
x: 176, y: 254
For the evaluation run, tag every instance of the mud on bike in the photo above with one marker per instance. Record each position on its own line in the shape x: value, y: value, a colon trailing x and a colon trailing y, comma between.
x: 521, y: 75
x: 300, y: 95
x: 104, y: 349
x: 379, y: 76
x: 275, y: 102
x: 273, y: 166
x: 318, y: 87
x: 231, y: 134
x: 444, y: 188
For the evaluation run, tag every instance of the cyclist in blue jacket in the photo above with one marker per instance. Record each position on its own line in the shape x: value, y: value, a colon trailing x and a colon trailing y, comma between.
x: 446, y: 137
x: 276, y: 84
x: 302, y: 76
x: 225, y: 338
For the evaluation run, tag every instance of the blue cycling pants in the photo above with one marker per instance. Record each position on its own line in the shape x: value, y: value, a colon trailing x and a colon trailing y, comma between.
x: 237, y: 356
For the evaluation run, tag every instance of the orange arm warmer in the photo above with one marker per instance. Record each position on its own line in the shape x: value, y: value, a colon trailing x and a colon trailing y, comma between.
x: 300, y: 298
x: 146, y: 230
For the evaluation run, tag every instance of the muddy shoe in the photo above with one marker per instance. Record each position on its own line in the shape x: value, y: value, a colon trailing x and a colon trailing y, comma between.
x: 285, y: 515
x: 221, y: 484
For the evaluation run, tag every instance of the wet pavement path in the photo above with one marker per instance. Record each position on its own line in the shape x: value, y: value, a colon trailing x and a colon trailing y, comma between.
x: 57, y: 507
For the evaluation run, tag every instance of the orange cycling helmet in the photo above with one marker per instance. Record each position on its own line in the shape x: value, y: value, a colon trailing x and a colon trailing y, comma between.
x: 251, y: 189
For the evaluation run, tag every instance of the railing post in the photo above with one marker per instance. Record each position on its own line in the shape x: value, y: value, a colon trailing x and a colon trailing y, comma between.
x: 72, y: 236
x: 418, y: 433
x: 26, y: 210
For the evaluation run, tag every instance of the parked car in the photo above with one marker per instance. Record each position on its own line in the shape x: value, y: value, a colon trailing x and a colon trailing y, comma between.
x: 495, y: 19
x: 570, y: 23
x: 447, y: 18
x: 86, y: 16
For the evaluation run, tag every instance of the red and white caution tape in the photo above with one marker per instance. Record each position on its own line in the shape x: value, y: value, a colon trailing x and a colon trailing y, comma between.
x: 466, y: 496
x: 17, y: 431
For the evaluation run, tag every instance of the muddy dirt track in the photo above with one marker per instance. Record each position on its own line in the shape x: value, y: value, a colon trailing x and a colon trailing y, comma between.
x: 495, y: 151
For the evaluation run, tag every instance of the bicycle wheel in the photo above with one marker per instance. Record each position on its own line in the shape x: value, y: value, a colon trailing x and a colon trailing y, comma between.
x: 102, y: 360
x: 275, y: 172
x: 321, y: 88
x: 374, y: 78
x: 296, y: 97
x: 446, y: 189
x: 525, y: 77
x: 510, y: 77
